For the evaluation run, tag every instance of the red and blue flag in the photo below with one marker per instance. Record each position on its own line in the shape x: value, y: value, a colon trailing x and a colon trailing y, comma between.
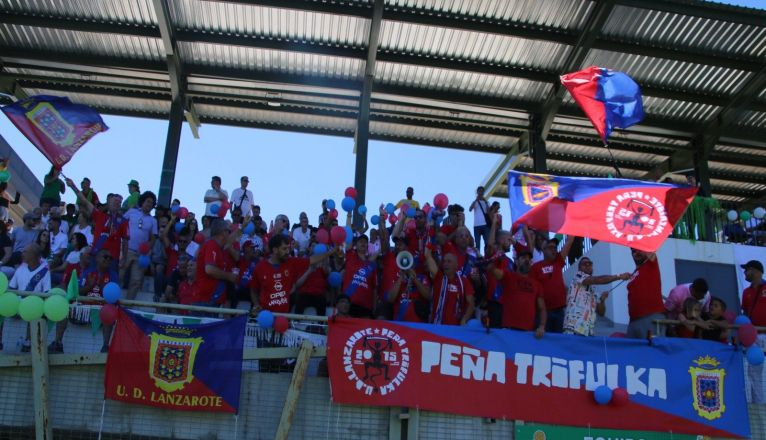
x: 55, y: 125
x: 194, y: 367
x: 610, y: 99
x: 623, y: 211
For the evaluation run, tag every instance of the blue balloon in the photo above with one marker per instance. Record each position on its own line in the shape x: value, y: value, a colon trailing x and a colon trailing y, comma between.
x: 755, y: 355
x: 174, y: 208
x: 320, y: 249
x: 411, y: 212
x: 214, y: 209
x: 112, y: 292
x: 330, y: 204
x: 390, y: 208
x: 349, y: 234
x: 348, y: 204
x: 602, y: 394
x: 474, y: 323
x: 265, y: 319
x: 144, y: 261
x: 375, y: 220
x: 179, y: 227
x: 361, y: 209
x: 439, y: 219
x: 334, y: 279
x: 249, y: 229
x: 742, y: 320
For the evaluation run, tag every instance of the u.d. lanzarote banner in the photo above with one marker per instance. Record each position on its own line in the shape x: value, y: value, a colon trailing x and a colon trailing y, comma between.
x: 679, y: 385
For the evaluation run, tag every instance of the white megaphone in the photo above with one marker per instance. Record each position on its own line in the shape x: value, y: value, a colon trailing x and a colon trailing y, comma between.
x: 405, y: 260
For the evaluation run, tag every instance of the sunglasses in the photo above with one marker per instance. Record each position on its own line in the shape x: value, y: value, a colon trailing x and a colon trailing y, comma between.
x: 106, y: 257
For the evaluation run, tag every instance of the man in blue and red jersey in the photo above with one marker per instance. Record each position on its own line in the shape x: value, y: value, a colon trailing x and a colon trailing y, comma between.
x: 550, y: 274
x: 451, y: 294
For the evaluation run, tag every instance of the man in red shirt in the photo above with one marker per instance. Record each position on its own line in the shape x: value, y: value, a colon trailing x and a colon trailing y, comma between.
x: 451, y: 295
x: 550, y: 274
x: 522, y: 298
x: 360, y: 279
x: 644, y: 296
x: 274, y: 278
x: 214, y: 267
x: 754, y: 306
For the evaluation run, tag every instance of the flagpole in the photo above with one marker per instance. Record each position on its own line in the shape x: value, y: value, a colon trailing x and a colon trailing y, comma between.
x: 614, y: 162
x: 101, y: 424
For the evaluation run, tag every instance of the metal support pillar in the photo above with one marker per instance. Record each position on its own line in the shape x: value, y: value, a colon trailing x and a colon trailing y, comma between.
x: 537, y: 144
x: 361, y: 141
x: 167, y: 178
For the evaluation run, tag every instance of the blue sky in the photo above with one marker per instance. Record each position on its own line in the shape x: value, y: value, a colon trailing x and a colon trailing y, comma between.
x: 289, y: 172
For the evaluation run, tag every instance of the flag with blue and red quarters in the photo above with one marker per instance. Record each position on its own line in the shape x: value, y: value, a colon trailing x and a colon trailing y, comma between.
x: 673, y: 385
x: 195, y: 367
x: 623, y: 211
x: 55, y: 125
x: 609, y: 99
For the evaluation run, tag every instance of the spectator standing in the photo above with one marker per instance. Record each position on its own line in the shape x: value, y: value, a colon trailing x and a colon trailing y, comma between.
x: 754, y: 307
x: 23, y: 237
x: 83, y: 226
x: 522, y: 298
x: 644, y: 295
x: 6, y: 201
x: 451, y: 295
x: 408, y: 200
x: 242, y: 197
x: 31, y: 276
x: 698, y: 289
x: 549, y: 273
x: 214, y: 274
x: 89, y: 193
x: 53, y: 187
x: 6, y: 251
x: 134, y: 192
x: 582, y: 304
x: 142, y: 229
x: 215, y: 196
x: 302, y: 234
x: 481, y: 221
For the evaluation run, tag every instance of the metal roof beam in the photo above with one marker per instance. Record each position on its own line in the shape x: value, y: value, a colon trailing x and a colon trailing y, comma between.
x: 79, y: 24
x: 499, y: 172
x: 574, y: 60
x: 709, y: 10
x: 337, y: 7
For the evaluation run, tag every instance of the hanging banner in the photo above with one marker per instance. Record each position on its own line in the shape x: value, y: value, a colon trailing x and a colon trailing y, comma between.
x: 549, y: 432
x: 195, y: 367
x: 680, y: 385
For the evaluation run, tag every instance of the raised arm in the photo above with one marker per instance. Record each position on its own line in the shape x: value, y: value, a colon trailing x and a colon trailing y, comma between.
x: 431, y: 265
x: 81, y: 197
x: 567, y: 246
x: 385, y: 241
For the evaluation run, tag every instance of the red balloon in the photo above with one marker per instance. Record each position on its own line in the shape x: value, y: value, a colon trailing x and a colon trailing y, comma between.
x: 322, y: 236
x: 441, y: 201
x: 333, y: 213
x: 108, y: 314
x: 182, y: 213
x: 410, y: 225
x: 144, y: 248
x: 199, y: 237
x: 338, y: 235
x: 225, y: 205
x: 281, y: 324
x: 617, y: 335
x: 620, y: 396
x: 392, y: 218
x: 747, y: 334
x: 350, y: 192
x: 427, y: 208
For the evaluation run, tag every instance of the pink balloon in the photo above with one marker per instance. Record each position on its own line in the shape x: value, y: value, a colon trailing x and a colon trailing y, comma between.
x: 333, y: 213
x: 144, y: 248
x: 108, y: 314
x: 617, y: 335
x: 620, y: 396
x: 350, y: 192
x: 392, y: 218
x: 323, y: 237
x: 182, y: 212
x: 199, y: 238
x: 281, y: 324
x: 441, y: 201
x: 427, y: 208
x: 747, y: 334
x: 338, y: 235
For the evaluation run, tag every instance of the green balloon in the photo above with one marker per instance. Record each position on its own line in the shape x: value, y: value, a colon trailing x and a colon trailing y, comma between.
x: 57, y: 291
x: 745, y: 215
x: 56, y: 308
x: 3, y: 283
x: 4, y: 176
x: 9, y: 304
x: 31, y: 308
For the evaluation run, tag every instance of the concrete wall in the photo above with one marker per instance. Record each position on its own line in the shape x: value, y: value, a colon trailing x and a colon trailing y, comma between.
x: 22, y: 180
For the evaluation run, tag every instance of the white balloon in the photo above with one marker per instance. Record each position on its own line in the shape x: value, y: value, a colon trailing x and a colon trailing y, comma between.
x: 759, y: 212
x: 732, y: 215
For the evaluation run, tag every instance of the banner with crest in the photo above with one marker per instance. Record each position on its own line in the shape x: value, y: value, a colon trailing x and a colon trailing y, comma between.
x: 190, y: 367
x: 667, y: 385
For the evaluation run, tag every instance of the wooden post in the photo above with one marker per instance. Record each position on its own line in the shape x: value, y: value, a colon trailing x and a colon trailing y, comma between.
x: 291, y: 401
x: 40, y: 385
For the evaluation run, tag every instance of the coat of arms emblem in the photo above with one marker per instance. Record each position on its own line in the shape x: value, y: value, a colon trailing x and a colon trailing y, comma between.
x: 171, y: 361
x: 707, y: 387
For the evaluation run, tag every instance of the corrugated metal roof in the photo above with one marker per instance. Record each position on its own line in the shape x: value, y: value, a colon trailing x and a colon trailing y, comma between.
x: 681, y: 32
x: 449, y: 137
x: 134, y: 11
x: 740, y: 150
x: 120, y: 103
x: 752, y: 119
x: 276, y: 117
x: 45, y: 75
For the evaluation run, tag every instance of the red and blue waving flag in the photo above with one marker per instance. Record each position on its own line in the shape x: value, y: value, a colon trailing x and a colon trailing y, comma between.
x: 194, y: 367
x: 610, y: 99
x: 55, y: 125
x: 627, y: 212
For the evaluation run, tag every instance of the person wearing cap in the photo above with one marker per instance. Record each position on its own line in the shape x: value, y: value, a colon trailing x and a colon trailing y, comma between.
x: 754, y: 307
x: 582, y: 302
x: 498, y: 265
x: 645, y: 303
x: 142, y: 229
x: 133, y: 194
x: 242, y: 197
x: 23, y: 237
x: 215, y: 196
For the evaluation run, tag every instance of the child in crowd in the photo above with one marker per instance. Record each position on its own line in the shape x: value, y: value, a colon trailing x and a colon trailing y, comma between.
x: 719, y: 326
x: 691, y: 320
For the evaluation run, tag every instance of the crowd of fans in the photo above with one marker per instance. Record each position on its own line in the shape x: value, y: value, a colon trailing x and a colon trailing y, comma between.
x: 234, y: 256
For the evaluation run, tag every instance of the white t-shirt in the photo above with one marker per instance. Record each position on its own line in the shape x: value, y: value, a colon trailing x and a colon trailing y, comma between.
x: 87, y: 231
x: 478, y: 214
x: 213, y: 193
x: 23, y: 276
x: 244, y: 203
x: 192, y: 249
x: 58, y: 242
x: 73, y: 257
x: 302, y: 238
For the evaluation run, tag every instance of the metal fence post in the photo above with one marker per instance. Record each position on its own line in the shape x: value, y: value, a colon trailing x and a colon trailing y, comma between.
x: 40, y: 386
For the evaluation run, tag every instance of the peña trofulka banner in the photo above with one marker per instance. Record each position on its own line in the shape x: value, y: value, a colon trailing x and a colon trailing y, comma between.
x: 679, y: 385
